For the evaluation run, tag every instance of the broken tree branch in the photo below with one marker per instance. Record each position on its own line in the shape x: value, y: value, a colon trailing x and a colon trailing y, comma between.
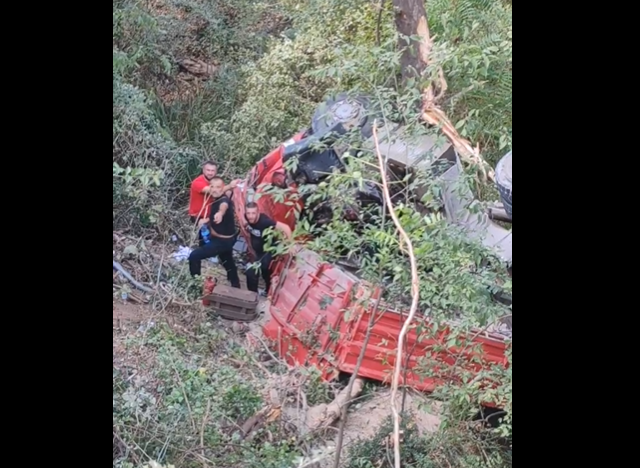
x: 435, y: 116
x: 411, y: 21
x: 415, y: 295
x: 323, y: 415
x: 127, y: 275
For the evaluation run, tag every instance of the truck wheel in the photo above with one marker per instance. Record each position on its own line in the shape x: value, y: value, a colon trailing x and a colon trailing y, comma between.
x: 350, y: 111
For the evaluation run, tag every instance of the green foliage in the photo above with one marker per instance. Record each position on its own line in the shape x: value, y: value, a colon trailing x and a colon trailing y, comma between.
x: 377, y: 451
x: 475, y: 48
x: 146, y: 161
x: 192, y: 391
x: 136, y: 38
x: 276, y: 60
x: 459, y: 448
x: 317, y: 390
x: 162, y: 122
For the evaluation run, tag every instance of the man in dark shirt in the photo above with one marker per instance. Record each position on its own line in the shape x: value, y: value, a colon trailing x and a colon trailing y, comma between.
x: 224, y: 232
x: 257, y: 224
x: 200, y: 195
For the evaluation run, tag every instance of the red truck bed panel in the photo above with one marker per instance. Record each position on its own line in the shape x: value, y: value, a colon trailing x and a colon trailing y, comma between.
x: 319, y: 318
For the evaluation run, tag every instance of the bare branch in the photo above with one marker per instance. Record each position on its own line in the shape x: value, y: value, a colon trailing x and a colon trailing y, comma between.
x: 433, y: 115
x: 415, y: 295
x: 353, y: 378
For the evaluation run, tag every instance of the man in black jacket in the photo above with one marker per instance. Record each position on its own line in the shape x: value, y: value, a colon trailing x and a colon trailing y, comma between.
x: 224, y: 233
x: 257, y: 224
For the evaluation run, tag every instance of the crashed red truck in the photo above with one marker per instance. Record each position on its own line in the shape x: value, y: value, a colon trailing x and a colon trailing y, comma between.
x: 317, y: 313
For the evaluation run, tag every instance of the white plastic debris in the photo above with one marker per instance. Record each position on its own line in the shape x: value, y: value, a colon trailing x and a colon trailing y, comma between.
x: 183, y: 254
x: 146, y: 326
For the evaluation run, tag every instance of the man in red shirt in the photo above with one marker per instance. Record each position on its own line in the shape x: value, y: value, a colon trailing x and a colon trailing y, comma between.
x: 200, y: 195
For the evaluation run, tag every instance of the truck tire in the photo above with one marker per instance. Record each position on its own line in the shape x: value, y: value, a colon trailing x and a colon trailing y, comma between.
x: 504, y: 182
x: 348, y: 110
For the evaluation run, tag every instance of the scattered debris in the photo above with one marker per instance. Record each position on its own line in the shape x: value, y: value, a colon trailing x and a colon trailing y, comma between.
x: 183, y: 254
x: 197, y: 67
x: 127, y: 275
x: 155, y: 464
x: 263, y: 417
x: 130, y: 296
x: 146, y: 326
x: 130, y: 251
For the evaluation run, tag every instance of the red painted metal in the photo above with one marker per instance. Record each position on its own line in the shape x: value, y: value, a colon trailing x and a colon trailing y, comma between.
x: 319, y: 316
x: 319, y: 312
x: 269, y: 170
x: 208, y: 287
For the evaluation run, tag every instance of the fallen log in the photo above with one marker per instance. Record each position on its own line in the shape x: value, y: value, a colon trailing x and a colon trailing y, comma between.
x: 324, y: 415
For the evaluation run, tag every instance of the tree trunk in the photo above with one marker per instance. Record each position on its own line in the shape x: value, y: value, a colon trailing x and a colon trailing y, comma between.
x: 411, y: 22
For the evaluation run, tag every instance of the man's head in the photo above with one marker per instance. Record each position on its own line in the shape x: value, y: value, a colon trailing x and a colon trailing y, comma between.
x: 217, y: 186
x: 252, y: 212
x: 209, y: 170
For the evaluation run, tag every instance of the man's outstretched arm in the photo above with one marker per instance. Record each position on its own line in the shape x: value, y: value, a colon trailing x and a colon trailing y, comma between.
x: 222, y: 209
x: 231, y: 186
x: 201, y: 186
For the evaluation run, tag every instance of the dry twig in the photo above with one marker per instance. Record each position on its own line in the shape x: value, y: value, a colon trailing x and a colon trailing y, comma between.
x: 202, y: 427
x: 415, y: 295
x: 353, y: 378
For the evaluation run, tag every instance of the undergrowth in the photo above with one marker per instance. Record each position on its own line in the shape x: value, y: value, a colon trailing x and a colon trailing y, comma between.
x: 183, y: 399
x: 275, y: 60
x: 462, y: 447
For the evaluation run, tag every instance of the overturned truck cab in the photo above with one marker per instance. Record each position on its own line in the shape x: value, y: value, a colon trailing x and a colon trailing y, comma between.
x: 318, y: 311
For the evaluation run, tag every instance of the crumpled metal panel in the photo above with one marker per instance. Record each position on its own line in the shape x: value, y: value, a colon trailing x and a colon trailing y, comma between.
x: 464, y: 210
x: 320, y: 315
x: 307, y: 304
